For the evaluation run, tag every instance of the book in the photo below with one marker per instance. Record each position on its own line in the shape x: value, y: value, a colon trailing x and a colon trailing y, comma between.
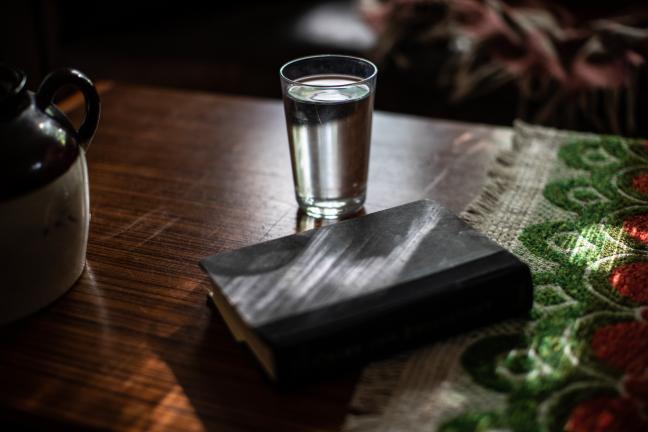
x: 329, y: 298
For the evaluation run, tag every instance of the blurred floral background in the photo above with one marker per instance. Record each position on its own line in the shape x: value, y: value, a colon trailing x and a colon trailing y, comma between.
x: 562, y: 64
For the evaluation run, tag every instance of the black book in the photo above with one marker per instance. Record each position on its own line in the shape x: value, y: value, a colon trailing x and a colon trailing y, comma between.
x: 332, y: 297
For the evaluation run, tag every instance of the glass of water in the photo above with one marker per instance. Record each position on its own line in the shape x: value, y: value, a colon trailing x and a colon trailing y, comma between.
x: 328, y: 100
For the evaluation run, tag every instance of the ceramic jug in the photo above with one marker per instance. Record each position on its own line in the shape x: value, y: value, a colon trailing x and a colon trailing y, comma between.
x: 44, y: 195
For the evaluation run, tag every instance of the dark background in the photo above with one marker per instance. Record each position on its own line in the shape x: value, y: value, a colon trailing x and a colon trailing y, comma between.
x: 237, y: 47
x: 233, y: 47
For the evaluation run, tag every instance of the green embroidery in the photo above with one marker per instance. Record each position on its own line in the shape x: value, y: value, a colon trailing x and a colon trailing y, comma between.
x: 481, y: 422
x: 481, y: 360
x: 549, y: 369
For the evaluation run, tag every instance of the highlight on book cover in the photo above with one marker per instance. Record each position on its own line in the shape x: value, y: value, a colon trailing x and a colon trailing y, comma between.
x: 312, y: 302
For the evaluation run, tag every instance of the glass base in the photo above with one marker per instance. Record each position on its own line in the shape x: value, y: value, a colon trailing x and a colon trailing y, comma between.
x: 332, y: 208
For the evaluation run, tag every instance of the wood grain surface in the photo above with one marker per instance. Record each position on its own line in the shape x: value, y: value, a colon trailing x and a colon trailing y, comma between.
x: 177, y: 176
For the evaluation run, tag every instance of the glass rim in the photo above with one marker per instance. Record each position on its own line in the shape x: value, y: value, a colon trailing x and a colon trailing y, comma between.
x: 318, y: 56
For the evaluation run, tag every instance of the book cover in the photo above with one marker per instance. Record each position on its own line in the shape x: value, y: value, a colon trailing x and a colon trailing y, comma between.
x: 312, y: 302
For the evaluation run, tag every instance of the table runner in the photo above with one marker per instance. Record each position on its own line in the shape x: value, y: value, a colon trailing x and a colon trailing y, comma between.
x: 574, y: 207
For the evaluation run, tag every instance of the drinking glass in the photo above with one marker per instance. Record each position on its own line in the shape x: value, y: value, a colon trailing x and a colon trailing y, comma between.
x: 328, y: 101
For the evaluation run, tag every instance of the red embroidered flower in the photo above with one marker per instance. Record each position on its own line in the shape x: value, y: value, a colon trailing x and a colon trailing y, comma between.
x: 640, y: 183
x: 606, y: 414
x: 637, y: 227
x: 622, y: 346
x: 631, y: 280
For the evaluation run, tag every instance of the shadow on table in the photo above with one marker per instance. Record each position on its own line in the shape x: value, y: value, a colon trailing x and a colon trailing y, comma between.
x: 228, y: 390
x: 60, y: 369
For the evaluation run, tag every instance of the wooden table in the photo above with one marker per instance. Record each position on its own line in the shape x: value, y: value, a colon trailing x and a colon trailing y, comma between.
x: 176, y: 176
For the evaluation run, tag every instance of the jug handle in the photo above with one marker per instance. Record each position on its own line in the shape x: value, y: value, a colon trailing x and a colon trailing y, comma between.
x: 59, y: 78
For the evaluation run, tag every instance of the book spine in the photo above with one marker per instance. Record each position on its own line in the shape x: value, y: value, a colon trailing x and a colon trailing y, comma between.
x: 499, y: 297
